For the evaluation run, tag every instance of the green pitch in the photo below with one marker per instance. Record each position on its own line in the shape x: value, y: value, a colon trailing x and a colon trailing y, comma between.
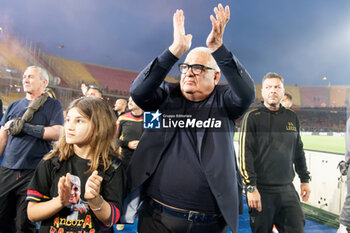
x: 334, y: 144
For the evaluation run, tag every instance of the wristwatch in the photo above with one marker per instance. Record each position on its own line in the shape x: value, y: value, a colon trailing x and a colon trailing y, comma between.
x: 251, y: 188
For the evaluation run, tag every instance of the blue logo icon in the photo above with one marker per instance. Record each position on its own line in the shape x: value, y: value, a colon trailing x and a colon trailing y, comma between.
x: 151, y: 120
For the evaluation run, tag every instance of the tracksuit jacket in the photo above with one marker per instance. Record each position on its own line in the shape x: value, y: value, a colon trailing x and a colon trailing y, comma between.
x: 270, y: 144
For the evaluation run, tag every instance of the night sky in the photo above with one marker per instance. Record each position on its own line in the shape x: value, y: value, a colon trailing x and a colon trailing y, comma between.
x: 303, y: 40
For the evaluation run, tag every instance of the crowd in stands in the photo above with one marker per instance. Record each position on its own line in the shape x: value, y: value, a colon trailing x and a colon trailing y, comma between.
x: 317, y: 119
x: 322, y: 119
x: 312, y: 119
x: 313, y: 115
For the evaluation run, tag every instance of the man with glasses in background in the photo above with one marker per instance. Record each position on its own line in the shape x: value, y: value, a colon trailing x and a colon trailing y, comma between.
x: 189, y: 174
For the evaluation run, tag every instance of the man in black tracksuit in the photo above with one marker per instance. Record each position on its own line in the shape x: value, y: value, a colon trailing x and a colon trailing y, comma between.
x: 270, y: 145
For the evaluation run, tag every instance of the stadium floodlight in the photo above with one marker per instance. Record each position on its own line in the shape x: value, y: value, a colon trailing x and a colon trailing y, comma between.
x: 325, y: 79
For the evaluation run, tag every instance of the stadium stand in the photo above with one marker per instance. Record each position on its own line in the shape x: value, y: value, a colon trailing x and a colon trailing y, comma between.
x: 294, y: 91
x: 73, y: 72
x: 319, y: 108
x: 314, y: 96
x: 338, y: 96
x: 9, y: 59
x: 12, y: 96
x: 258, y: 91
x: 112, y: 79
x: 37, y: 58
x: 322, y: 119
x: 30, y: 56
x: 23, y: 52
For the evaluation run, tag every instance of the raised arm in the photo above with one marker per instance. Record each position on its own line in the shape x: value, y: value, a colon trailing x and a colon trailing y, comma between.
x: 145, y: 90
x: 215, y: 37
x: 242, y: 87
x: 182, y: 42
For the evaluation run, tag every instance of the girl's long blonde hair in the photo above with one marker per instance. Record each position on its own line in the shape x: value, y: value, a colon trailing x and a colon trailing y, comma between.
x: 101, y: 133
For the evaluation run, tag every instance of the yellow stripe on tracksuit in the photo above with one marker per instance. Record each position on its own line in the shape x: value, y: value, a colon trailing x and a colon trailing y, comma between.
x: 242, y: 138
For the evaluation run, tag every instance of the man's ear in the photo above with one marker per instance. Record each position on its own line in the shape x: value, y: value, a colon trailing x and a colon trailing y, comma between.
x: 45, y: 82
x: 217, y: 77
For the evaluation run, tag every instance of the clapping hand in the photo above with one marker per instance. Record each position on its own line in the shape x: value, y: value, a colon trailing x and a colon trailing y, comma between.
x: 182, y: 42
x: 92, y: 186
x: 215, y: 37
x: 64, y: 190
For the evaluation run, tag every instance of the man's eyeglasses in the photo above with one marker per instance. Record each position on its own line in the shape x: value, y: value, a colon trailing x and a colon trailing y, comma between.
x: 197, y: 69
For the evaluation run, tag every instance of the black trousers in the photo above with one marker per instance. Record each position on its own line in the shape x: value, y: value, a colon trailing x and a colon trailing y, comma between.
x: 282, y: 209
x: 13, y: 206
x: 152, y: 220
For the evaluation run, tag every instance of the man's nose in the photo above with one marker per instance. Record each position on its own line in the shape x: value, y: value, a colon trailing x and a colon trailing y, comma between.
x: 189, y: 72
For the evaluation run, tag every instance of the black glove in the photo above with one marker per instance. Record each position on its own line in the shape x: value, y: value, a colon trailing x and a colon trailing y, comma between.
x: 33, y: 130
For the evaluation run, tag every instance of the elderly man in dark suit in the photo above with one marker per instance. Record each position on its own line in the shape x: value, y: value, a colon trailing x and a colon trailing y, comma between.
x: 187, y: 168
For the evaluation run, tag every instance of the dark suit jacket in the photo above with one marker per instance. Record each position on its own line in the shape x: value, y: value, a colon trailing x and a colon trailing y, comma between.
x: 215, y: 146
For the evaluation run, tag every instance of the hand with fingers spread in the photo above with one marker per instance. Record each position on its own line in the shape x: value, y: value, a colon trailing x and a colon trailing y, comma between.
x: 215, y: 37
x: 64, y: 190
x: 254, y: 200
x: 182, y: 42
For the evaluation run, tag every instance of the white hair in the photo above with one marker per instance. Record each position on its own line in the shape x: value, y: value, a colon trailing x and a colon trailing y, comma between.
x: 41, y: 72
x: 212, y: 62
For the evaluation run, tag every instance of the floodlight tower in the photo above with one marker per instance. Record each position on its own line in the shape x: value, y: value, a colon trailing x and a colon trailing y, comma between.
x: 329, y: 90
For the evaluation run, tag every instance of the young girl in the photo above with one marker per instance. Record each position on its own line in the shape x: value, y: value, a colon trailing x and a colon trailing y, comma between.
x: 79, y: 186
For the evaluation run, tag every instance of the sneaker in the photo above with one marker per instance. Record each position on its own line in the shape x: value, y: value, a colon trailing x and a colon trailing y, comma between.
x: 120, y: 227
